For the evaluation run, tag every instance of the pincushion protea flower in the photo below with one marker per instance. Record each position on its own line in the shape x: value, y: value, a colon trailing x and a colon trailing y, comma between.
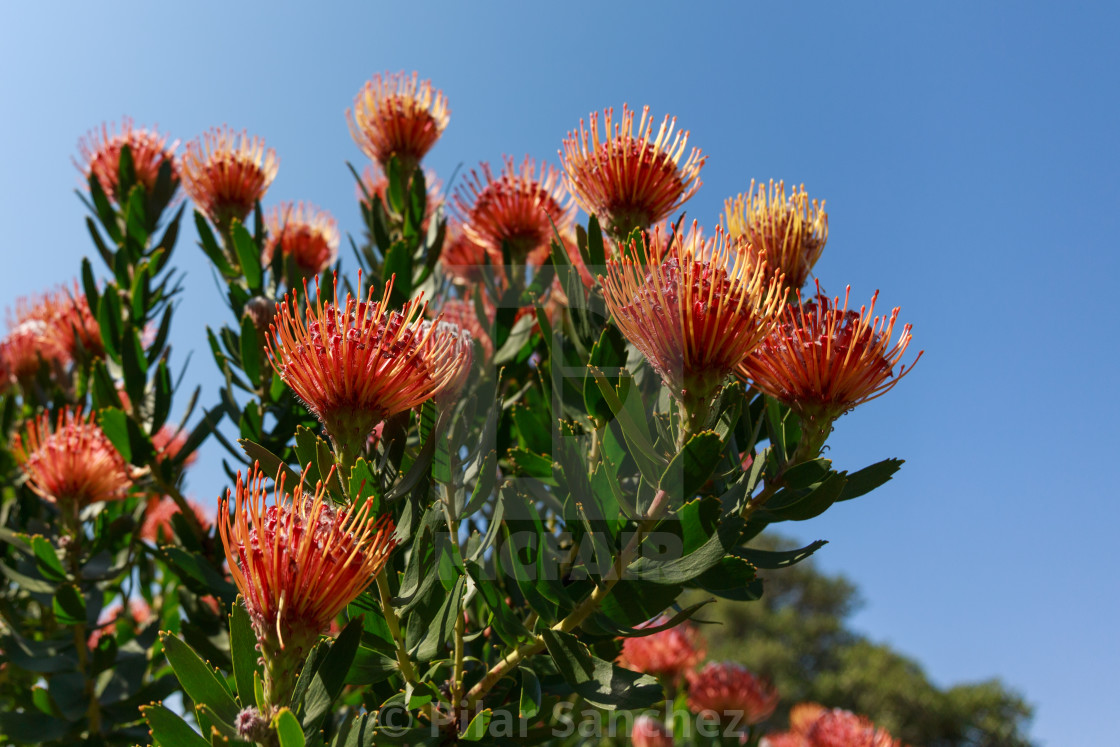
x: 356, y: 365
x: 812, y: 725
x: 630, y: 179
x: 398, y: 115
x: 156, y: 527
x: 297, y: 563
x: 101, y: 156
x: 727, y: 689
x: 303, y: 232
x: 461, y: 312
x: 522, y: 207
x: 463, y: 258
x: 669, y: 654
x: 227, y: 173
x: 72, y: 464
x: 694, y: 315
x: 650, y: 732
x: 376, y: 184
x: 55, y: 328
x: 822, y: 359
x: 788, y: 232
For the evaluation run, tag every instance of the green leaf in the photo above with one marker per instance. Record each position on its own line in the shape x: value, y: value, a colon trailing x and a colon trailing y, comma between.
x: 243, y: 652
x: 270, y: 463
x: 529, y: 702
x: 596, y: 253
x: 133, y: 444
x: 443, y: 625
x: 608, y: 354
x: 398, y: 265
x: 199, y: 680
x: 109, y: 319
x: 690, y: 566
x: 692, y: 466
x: 288, y: 730
x: 69, y: 606
x: 370, y: 667
x: 807, y: 473
x: 47, y: 560
x: 210, y: 246
x: 774, y: 559
x: 867, y: 479
x: 476, y: 729
x: 731, y: 578
x: 625, y: 402
x: 798, y: 505
x: 599, y: 682
x: 169, y: 729
x: 330, y: 677
x: 248, y: 255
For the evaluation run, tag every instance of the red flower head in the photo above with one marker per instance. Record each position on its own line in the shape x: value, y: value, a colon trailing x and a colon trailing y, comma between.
x: 650, y: 732
x: 55, y: 328
x: 297, y: 564
x: 788, y: 232
x: 695, y: 315
x: 157, y: 519
x: 463, y: 258
x: 227, y: 173
x: 822, y: 360
x: 630, y: 179
x: 398, y: 115
x: 303, y: 232
x: 356, y: 365
x: 74, y: 464
x: 671, y: 653
x: 839, y: 728
x: 101, y: 157
x: 519, y: 207
x: 461, y: 313
x: 728, y: 688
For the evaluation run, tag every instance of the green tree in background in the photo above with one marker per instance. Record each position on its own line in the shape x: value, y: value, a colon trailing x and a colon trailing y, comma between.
x: 797, y: 635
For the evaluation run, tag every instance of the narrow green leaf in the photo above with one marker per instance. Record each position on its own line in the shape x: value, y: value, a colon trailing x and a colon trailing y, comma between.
x: 600, y: 682
x: 69, y: 606
x: 250, y: 351
x: 243, y: 652
x: 476, y: 729
x: 693, y: 465
x: 248, y: 256
x: 199, y: 680
x: 288, y: 729
x: 867, y: 479
x: 529, y: 703
x: 169, y: 729
x: 47, y: 559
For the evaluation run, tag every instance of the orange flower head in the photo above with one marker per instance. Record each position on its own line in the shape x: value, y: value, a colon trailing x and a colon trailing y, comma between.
x: 357, y: 364
x: 694, y: 314
x: 630, y: 179
x: 398, y: 115
x: 74, y: 463
x: 650, y: 732
x: 227, y: 173
x: 101, y: 157
x: 788, y: 232
x: 727, y: 688
x: 803, y: 715
x: 521, y: 207
x: 670, y: 653
x: 55, y: 328
x: 840, y: 728
x: 461, y: 313
x: 823, y: 359
x: 156, y: 527
x: 297, y: 562
x: 303, y: 232
x: 463, y: 258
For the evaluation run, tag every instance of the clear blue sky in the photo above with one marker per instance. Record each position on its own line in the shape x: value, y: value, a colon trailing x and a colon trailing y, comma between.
x: 968, y: 153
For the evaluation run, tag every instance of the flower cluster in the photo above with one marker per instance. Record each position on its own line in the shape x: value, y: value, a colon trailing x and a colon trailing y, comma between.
x: 630, y: 179
x: 54, y: 329
x: 695, y: 314
x: 812, y: 725
x: 101, y: 157
x: 297, y: 563
x: 357, y: 364
x: 669, y: 654
x: 304, y: 233
x: 398, y: 115
x: 227, y: 173
x: 522, y: 207
x: 72, y: 463
x: 823, y: 359
x: 727, y: 688
x: 788, y: 232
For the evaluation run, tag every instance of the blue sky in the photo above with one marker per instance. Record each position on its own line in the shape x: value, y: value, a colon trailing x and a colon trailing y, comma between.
x: 968, y: 156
